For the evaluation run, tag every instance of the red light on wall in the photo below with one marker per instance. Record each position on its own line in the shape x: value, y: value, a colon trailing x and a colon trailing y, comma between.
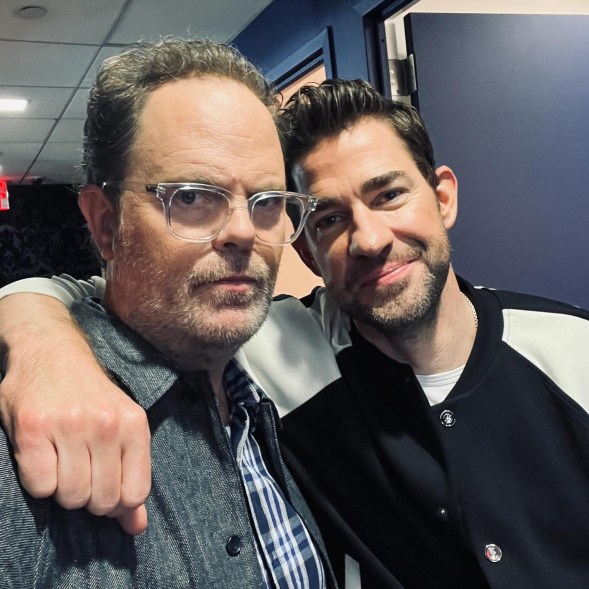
x: 3, y: 196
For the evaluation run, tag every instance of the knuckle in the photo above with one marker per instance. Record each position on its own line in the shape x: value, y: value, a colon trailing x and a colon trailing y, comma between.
x: 132, y: 498
x: 102, y: 507
x: 135, y: 416
x: 136, y: 426
x: 69, y: 501
x: 36, y: 485
x: 107, y: 423
x: 30, y: 423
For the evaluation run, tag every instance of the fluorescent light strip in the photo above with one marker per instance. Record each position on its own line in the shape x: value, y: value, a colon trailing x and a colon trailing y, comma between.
x: 13, y: 104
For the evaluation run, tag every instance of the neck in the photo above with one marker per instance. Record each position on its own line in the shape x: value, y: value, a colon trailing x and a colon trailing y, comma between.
x: 442, y: 343
x: 212, y: 360
x: 221, y: 394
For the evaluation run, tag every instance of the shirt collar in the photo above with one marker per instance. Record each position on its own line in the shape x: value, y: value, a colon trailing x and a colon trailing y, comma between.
x: 141, y: 369
x: 242, y: 390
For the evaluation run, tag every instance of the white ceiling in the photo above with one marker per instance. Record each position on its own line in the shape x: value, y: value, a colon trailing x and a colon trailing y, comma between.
x: 52, y: 61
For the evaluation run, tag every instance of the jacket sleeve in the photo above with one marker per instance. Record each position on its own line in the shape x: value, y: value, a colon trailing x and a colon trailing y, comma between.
x: 63, y: 288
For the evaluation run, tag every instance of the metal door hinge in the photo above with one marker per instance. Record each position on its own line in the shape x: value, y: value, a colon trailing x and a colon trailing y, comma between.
x: 402, y: 75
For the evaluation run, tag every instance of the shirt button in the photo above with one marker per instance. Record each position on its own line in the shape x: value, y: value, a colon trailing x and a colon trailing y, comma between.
x: 447, y: 418
x: 493, y: 552
x: 442, y: 513
x: 233, y: 545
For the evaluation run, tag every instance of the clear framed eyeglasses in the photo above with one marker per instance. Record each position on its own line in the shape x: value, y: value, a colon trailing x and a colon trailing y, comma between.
x: 199, y: 212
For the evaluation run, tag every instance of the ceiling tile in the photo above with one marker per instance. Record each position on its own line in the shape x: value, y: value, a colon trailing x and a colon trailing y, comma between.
x: 67, y: 130
x: 103, y: 54
x: 15, y: 158
x: 67, y: 152
x: 66, y: 21
x: 59, y: 163
x: 214, y: 19
x: 53, y: 61
x: 77, y: 107
x: 25, y: 130
x: 43, y: 102
x: 35, y: 64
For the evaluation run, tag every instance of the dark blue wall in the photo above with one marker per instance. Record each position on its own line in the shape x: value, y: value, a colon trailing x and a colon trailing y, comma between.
x: 506, y: 101
x: 286, y: 25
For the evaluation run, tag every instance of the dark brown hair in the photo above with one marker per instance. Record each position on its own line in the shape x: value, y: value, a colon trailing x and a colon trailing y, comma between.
x: 317, y: 112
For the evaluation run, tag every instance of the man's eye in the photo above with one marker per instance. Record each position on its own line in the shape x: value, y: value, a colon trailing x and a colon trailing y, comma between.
x: 326, y: 222
x: 273, y: 202
x: 389, y: 196
x: 189, y: 197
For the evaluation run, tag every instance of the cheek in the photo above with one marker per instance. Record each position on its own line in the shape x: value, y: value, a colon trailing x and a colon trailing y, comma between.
x: 270, y: 255
x: 330, y: 260
x: 421, y: 219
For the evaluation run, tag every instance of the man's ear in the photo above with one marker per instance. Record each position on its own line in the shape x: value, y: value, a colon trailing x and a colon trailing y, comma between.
x: 302, y: 248
x: 100, y: 214
x: 447, y: 195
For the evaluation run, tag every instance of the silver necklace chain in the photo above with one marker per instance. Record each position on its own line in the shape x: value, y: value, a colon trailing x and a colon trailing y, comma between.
x: 474, y: 312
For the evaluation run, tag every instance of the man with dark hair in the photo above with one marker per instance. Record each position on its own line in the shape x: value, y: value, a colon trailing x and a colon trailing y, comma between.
x: 191, y: 231
x: 447, y: 445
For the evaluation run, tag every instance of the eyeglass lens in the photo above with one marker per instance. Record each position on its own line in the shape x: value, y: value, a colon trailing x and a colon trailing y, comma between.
x: 199, y: 213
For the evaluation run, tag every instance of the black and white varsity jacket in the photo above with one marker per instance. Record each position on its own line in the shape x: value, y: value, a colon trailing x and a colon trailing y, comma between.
x: 489, y: 488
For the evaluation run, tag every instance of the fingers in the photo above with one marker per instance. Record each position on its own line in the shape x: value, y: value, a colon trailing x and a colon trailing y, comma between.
x: 120, y: 461
x: 134, y: 521
x: 37, y: 465
x: 74, y: 476
x: 105, y: 441
x: 95, y: 456
x: 136, y: 463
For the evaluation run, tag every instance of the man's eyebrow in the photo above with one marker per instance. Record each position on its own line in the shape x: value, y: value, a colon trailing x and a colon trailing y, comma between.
x: 326, y: 203
x: 190, y: 179
x: 382, y: 180
x: 210, y: 181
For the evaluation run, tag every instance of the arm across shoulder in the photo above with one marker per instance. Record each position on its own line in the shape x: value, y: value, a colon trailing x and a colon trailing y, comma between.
x: 56, y: 401
x: 64, y: 288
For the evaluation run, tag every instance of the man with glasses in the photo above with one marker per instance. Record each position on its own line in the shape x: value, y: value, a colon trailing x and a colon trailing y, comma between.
x: 191, y: 231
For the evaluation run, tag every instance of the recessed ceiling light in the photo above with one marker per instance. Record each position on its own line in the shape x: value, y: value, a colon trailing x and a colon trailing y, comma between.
x: 13, y: 104
x: 32, y: 12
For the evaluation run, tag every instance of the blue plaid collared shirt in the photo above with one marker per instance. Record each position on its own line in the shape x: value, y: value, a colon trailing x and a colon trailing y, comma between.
x: 287, y: 555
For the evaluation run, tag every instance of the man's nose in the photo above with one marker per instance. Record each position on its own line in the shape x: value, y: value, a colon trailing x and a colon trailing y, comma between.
x: 238, y: 232
x: 371, y: 234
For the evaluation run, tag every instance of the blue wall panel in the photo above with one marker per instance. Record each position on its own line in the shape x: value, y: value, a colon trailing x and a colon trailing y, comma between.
x: 284, y: 26
x: 506, y: 100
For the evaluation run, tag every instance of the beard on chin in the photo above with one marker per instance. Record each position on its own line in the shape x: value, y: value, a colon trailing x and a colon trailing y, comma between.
x: 187, y: 321
x: 396, y: 307
x: 245, y: 311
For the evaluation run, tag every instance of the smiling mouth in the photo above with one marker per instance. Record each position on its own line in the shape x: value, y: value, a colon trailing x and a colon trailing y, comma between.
x: 386, y: 274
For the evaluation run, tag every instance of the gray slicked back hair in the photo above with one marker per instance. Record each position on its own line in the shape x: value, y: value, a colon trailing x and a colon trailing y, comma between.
x: 316, y: 112
x: 124, y: 82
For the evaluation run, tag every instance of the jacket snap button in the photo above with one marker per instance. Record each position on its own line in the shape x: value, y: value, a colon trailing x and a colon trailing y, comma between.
x: 493, y: 552
x: 442, y: 513
x: 447, y: 418
x: 233, y: 545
